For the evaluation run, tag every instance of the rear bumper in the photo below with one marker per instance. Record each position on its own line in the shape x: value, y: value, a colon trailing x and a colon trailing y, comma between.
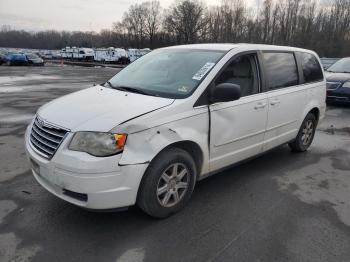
x: 84, y: 180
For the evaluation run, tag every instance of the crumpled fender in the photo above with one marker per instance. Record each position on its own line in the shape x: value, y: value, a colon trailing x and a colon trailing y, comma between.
x: 143, y: 146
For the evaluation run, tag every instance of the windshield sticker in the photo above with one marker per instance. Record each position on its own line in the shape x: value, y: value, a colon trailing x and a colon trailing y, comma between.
x: 203, y: 71
x: 183, y: 89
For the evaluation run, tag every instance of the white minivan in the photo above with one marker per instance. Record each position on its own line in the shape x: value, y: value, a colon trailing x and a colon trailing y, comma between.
x: 171, y: 118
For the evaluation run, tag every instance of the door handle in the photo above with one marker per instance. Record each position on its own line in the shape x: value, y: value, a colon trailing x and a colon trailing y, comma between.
x: 260, y: 106
x: 275, y: 102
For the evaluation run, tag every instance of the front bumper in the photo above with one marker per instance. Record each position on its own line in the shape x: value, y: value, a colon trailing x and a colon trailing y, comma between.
x: 85, y: 180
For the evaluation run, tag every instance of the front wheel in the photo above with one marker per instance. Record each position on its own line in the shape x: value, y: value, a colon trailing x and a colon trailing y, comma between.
x: 305, y: 135
x: 168, y: 183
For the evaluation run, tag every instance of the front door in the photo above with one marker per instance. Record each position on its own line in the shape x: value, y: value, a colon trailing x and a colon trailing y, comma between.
x: 237, y: 128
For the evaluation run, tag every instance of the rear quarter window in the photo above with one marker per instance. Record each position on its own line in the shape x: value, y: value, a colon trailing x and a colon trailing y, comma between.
x: 281, y: 70
x: 311, y: 68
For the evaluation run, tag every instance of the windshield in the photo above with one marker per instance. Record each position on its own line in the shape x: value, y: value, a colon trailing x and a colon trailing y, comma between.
x: 341, y: 66
x: 171, y: 73
x: 32, y: 56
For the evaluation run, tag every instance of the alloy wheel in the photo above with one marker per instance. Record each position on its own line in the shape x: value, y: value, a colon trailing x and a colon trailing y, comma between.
x: 307, y: 132
x: 173, y: 184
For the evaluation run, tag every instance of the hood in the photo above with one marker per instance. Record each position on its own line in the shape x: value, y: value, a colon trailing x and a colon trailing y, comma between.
x: 337, y: 77
x: 99, y: 108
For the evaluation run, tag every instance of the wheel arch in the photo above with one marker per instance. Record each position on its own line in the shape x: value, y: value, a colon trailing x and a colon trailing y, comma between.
x: 313, y: 108
x: 190, y: 147
x: 316, y: 112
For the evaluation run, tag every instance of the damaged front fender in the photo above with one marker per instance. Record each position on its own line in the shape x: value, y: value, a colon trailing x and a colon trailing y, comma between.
x: 141, y: 147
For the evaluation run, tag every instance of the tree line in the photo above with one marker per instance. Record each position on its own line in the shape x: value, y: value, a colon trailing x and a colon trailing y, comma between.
x: 320, y: 26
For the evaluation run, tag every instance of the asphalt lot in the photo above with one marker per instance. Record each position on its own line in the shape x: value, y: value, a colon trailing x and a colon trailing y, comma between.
x: 281, y: 206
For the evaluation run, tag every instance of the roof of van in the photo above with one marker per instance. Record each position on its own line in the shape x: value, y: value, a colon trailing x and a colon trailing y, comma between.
x: 228, y: 46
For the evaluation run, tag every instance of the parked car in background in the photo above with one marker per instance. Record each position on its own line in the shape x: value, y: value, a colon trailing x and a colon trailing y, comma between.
x: 327, y: 62
x: 56, y: 54
x: 171, y: 118
x: 338, y: 81
x: 47, y: 54
x: 16, y: 59
x: 38, y: 54
x: 3, y: 54
x: 34, y: 59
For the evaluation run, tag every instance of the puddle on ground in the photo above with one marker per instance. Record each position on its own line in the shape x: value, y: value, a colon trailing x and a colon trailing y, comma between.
x: 29, y: 77
x: 320, y: 182
x: 6, y: 207
x: 9, y: 250
x: 15, y: 118
x: 134, y: 255
x: 9, y: 242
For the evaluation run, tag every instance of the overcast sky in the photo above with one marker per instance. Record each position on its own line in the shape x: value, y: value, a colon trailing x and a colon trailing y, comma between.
x: 70, y: 15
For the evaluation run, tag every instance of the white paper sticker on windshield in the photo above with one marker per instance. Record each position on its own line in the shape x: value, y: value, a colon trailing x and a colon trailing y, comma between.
x: 183, y: 89
x: 203, y: 71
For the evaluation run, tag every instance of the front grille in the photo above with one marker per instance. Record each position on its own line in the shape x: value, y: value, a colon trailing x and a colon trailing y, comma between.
x: 333, y: 85
x: 46, y: 138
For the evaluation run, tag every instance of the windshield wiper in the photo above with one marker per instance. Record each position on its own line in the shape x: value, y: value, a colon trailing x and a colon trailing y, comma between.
x: 110, y: 84
x: 131, y: 89
x: 134, y: 90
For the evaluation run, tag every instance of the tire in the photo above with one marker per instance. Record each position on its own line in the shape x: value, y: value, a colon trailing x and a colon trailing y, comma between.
x: 305, y: 135
x: 167, y: 202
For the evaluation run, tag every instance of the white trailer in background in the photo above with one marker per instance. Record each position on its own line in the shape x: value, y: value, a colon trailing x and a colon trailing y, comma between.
x: 111, y: 55
x: 133, y: 54
x: 67, y: 52
x: 77, y: 53
x: 123, y: 56
x: 83, y: 54
x: 145, y: 51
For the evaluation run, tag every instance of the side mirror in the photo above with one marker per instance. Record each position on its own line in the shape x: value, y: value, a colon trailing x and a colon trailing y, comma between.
x: 225, y: 92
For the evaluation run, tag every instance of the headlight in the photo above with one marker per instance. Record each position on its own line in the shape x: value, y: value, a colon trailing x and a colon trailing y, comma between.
x: 98, y: 143
x: 347, y: 84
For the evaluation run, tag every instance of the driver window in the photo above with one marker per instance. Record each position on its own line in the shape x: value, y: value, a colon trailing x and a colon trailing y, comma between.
x: 242, y: 71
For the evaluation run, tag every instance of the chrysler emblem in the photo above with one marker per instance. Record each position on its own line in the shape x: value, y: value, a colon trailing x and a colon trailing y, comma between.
x: 40, y: 121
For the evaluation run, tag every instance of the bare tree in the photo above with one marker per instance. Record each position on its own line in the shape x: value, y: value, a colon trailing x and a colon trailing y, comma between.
x: 186, y: 19
x: 323, y: 27
x: 134, y: 22
x: 152, y: 19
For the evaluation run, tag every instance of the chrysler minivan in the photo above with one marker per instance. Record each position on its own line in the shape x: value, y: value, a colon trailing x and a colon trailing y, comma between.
x: 172, y: 118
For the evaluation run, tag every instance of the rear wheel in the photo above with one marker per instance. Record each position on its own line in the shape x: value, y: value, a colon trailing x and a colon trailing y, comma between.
x: 305, y: 135
x: 168, y: 183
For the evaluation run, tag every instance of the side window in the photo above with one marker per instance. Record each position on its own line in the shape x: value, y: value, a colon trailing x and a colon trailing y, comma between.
x: 281, y: 70
x: 311, y: 68
x: 242, y: 71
